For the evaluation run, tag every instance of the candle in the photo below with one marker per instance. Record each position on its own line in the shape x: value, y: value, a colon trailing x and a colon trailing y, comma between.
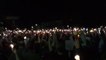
x: 86, y: 29
x: 91, y: 31
x: 19, y: 31
x: 78, y: 35
x: 34, y: 31
x: 77, y: 57
x: 25, y: 37
x: 95, y: 29
x: 75, y: 29
x: 12, y: 46
x: 38, y: 31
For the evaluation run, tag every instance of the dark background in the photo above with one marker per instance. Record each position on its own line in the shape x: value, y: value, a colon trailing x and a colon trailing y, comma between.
x: 67, y: 12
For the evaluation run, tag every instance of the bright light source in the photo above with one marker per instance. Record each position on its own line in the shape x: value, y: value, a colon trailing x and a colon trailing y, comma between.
x: 60, y: 30
x: 34, y: 31
x: 75, y: 29
x: 91, y: 31
x: 99, y: 29
x: 53, y: 30
x: 5, y: 34
x: 78, y: 35
x: 19, y: 31
x: 12, y: 46
x: 83, y: 28
x: 95, y: 29
x: 86, y: 29
x: 25, y: 37
x: 77, y: 57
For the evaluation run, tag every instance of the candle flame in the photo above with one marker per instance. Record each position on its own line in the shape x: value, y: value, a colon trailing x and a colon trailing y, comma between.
x: 12, y: 46
x: 77, y: 57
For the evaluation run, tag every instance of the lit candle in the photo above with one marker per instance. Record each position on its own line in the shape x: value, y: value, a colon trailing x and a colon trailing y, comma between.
x: 78, y: 35
x: 86, y: 29
x: 25, y: 37
x: 34, y: 31
x: 38, y: 31
x: 19, y: 31
x: 83, y: 29
x: 77, y: 57
x: 95, y: 29
x: 91, y: 31
x: 12, y: 46
x: 75, y: 29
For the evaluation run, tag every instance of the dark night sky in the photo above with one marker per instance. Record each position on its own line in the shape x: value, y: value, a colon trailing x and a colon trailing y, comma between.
x: 40, y: 11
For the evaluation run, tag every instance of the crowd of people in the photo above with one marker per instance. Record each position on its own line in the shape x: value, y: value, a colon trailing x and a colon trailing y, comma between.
x: 51, y: 44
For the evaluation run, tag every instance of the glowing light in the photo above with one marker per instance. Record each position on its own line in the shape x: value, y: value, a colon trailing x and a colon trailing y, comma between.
x: 4, y: 34
x: 83, y: 28
x: 38, y: 31
x: 68, y: 26
x: 78, y: 35
x: 29, y: 31
x: 99, y: 30
x: 95, y: 29
x: 53, y: 30
x: 86, y: 29
x: 50, y: 30
x: 36, y: 24
x: 91, y: 31
x: 55, y: 27
x: 77, y: 57
x: 16, y: 32
x: 12, y: 46
x: 32, y: 27
x: 75, y: 29
x: 19, y: 31
x: 25, y: 37
x: 60, y: 30
x: 34, y: 31
x: 5, y: 28
x: 68, y: 30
